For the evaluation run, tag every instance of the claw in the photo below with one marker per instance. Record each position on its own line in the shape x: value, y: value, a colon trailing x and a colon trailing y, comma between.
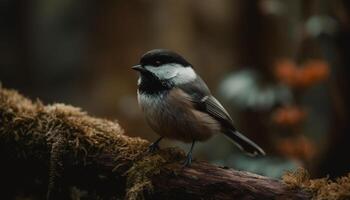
x: 188, y: 160
x: 154, y: 146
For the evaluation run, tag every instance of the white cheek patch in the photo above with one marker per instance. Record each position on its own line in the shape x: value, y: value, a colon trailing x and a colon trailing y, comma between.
x: 184, y: 75
x: 173, y: 72
x: 164, y: 72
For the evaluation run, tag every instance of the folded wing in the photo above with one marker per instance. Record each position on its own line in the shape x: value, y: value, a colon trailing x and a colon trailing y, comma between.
x: 202, y: 99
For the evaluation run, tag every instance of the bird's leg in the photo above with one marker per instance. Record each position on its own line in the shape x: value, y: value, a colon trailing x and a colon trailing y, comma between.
x: 155, y: 145
x: 188, y: 160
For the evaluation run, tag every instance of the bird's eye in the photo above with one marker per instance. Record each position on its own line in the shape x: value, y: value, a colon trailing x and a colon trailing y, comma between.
x: 158, y: 62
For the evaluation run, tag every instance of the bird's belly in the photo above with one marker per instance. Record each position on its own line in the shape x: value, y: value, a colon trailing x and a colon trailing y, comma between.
x: 177, y: 121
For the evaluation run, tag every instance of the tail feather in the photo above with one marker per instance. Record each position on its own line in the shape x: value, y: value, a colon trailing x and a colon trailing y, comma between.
x: 245, y: 144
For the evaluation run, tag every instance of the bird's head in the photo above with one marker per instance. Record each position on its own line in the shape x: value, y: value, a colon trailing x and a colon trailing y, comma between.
x: 163, y: 69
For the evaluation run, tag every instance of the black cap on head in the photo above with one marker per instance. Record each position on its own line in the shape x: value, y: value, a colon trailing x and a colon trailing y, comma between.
x: 157, y: 57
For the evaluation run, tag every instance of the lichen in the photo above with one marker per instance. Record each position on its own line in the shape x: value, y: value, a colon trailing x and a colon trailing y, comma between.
x: 56, y: 166
x: 323, y: 188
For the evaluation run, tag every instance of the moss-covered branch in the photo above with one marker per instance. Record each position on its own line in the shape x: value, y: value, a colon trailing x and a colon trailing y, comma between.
x: 60, y: 151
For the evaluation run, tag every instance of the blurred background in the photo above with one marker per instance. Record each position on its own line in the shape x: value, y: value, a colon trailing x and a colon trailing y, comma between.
x: 280, y: 67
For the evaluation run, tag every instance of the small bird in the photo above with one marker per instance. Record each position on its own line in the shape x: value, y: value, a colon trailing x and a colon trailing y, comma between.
x: 177, y: 103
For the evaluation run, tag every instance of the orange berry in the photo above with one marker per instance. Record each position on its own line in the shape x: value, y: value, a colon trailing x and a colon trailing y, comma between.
x: 288, y: 116
x: 315, y: 71
x: 285, y: 71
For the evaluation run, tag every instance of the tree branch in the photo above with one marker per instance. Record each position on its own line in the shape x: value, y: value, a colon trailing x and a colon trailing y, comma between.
x: 58, y: 146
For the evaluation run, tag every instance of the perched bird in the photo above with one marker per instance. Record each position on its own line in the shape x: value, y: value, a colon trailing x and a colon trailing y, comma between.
x: 177, y: 103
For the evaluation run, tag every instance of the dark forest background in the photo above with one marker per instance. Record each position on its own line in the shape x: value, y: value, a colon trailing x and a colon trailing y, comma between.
x: 280, y: 67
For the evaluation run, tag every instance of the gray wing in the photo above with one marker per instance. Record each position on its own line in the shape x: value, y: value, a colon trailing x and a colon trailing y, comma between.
x: 203, y: 100
x: 216, y: 110
x: 213, y: 107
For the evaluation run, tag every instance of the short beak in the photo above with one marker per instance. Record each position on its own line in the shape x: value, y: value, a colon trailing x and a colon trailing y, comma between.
x: 138, y: 68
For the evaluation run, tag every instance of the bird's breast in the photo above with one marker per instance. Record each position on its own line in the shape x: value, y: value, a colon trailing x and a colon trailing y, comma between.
x: 172, y: 115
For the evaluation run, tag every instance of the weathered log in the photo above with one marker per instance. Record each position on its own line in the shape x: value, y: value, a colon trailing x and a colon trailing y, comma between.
x: 60, y: 152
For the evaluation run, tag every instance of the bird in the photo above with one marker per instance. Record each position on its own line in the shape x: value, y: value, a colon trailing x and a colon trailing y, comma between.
x: 178, y: 105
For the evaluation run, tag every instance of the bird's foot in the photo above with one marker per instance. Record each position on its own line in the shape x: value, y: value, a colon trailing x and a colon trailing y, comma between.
x: 188, y: 161
x: 153, y: 147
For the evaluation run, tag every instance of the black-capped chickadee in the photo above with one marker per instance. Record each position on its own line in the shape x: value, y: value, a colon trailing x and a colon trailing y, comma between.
x: 178, y: 104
